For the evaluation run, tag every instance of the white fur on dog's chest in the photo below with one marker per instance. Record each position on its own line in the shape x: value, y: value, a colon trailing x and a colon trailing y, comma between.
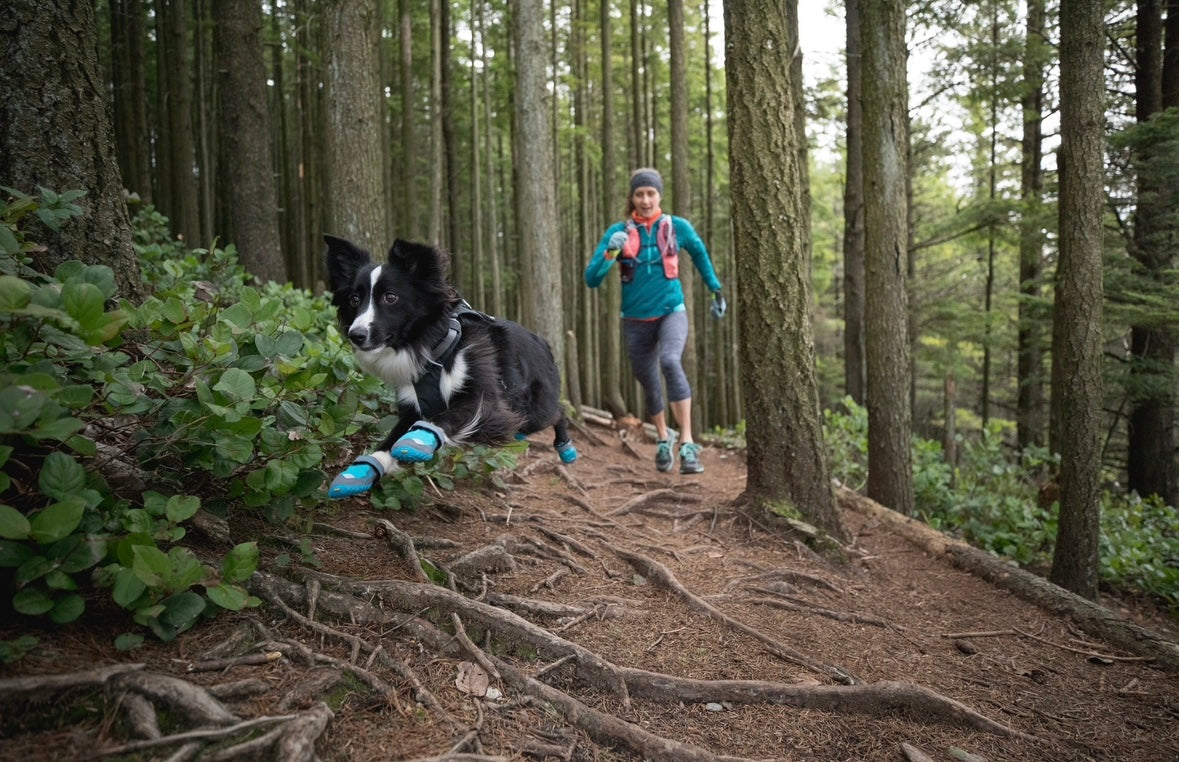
x: 401, y: 369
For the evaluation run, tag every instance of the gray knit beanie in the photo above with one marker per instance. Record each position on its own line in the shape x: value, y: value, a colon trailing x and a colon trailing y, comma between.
x: 646, y: 178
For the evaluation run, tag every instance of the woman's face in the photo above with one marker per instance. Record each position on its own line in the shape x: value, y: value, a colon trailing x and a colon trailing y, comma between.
x: 646, y: 201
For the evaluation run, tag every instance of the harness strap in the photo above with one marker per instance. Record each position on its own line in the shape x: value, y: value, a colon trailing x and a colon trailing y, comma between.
x: 428, y: 387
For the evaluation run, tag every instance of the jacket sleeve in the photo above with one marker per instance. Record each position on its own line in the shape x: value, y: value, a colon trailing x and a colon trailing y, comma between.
x: 689, y: 241
x: 599, y: 265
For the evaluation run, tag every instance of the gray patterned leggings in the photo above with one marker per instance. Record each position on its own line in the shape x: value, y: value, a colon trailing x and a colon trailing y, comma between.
x: 658, y: 344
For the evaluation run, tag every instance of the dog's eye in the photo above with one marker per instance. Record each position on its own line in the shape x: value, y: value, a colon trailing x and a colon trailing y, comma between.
x: 388, y: 298
x: 354, y: 300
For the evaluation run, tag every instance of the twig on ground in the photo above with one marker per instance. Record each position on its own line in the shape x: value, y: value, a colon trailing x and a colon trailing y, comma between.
x: 204, y: 734
x: 247, y: 660
x: 403, y: 544
x: 476, y: 653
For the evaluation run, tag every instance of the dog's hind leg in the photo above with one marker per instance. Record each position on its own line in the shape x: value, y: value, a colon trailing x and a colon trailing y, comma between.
x: 562, y: 443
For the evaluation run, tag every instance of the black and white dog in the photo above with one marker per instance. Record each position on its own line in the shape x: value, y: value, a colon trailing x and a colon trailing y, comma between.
x: 460, y: 376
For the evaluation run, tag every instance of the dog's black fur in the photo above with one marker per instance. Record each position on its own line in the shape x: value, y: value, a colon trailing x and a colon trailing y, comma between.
x: 499, y: 378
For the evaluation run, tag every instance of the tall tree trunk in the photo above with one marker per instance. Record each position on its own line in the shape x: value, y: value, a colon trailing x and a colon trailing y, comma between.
x: 609, y: 317
x: 1076, y: 328
x: 130, y: 95
x: 1151, y: 445
x: 437, y: 149
x: 1030, y: 414
x: 681, y: 186
x: 177, y: 74
x: 992, y: 195
x: 890, y: 416
x: 855, y: 378
x: 244, y: 138
x: 43, y: 144
x: 786, y: 460
x: 354, y: 123
x: 409, y: 149
x: 536, y: 204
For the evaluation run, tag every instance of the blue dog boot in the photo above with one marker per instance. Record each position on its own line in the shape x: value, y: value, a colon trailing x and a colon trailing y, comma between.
x: 566, y: 451
x: 357, y: 478
x: 419, y: 443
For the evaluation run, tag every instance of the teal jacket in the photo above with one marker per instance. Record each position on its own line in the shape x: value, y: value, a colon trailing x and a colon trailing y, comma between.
x: 651, y: 294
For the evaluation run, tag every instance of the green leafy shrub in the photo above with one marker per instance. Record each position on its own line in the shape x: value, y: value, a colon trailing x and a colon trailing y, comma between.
x: 991, y: 500
x: 118, y: 423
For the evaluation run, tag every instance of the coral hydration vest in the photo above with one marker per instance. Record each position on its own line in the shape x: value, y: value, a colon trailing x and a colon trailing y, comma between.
x: 668, y: 248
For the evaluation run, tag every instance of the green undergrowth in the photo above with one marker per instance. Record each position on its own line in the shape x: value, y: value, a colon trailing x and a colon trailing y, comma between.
x: 119, y: 422
x: 1000, y: 500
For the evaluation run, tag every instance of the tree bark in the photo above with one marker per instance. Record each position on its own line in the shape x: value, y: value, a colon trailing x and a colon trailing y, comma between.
x: 786, y: 458
x: 1030, y: 414
x: 536, y: 203
x: 1077, y: 326
x: 55, y: 132
x: 244, y: 138
x: 354, y: 124
x: 890, y: 416
x: 855, y: 374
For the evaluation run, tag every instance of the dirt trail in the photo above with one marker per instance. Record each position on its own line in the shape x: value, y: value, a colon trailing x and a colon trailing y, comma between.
x: 605, y: 611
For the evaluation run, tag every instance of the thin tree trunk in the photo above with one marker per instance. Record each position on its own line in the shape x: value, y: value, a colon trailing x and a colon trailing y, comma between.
x: 886, y: 314
x: 245, y: 138
x: 611, y: 304
x: 354, y: 123
x: 536, y: 211
x: 409, y: 149
x: 681, y: 187
x: 1030, y: 417
x: 1077, y: 326
x: 855, y: 379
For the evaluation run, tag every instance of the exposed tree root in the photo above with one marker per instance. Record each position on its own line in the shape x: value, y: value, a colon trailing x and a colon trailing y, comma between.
x: 661, y: 575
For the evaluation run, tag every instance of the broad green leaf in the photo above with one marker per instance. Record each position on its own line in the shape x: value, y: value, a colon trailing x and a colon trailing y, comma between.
x: 14, y: 292
x: 59, y: 429
x: 235, y: 448
x: 238, y: 315
x: 267, y: 347
x: 32, y: 601
x: 8, y: 242
x: 59, y: 580
x: 84, y: 302
x: 14, y: 554
x: 182, y: 610
x: 230, y: 597
x: 75, y: 395
x: 182, y: 507
x: 5, y: 453
x: 289, y: 343
x: 14, y: 525
x: 61, y: 476
x: 57, y: 521
x: 84, y: 555
x: 20, y: 406
x: 67, y: 608
x: 240, y: 563
x: 237, y: 385
x: 127, y: 587
x: 151, y: 565
x: 187, y: 569
x: 174, y: 311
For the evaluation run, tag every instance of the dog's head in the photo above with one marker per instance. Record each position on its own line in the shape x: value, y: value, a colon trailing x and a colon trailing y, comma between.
x: 392, y: 304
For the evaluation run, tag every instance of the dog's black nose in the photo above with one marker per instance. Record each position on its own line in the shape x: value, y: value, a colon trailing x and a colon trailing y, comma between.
x: 358, y: 336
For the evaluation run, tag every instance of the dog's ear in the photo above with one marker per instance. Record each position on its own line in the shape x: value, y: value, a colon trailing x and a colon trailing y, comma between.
x: 416, y: 259
x: 344, y: 260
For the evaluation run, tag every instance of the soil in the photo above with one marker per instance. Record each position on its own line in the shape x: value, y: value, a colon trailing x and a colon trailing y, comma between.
x: 605, y: 611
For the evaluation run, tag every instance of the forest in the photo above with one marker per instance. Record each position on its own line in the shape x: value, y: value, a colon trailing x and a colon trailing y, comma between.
x: 948, y: 250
